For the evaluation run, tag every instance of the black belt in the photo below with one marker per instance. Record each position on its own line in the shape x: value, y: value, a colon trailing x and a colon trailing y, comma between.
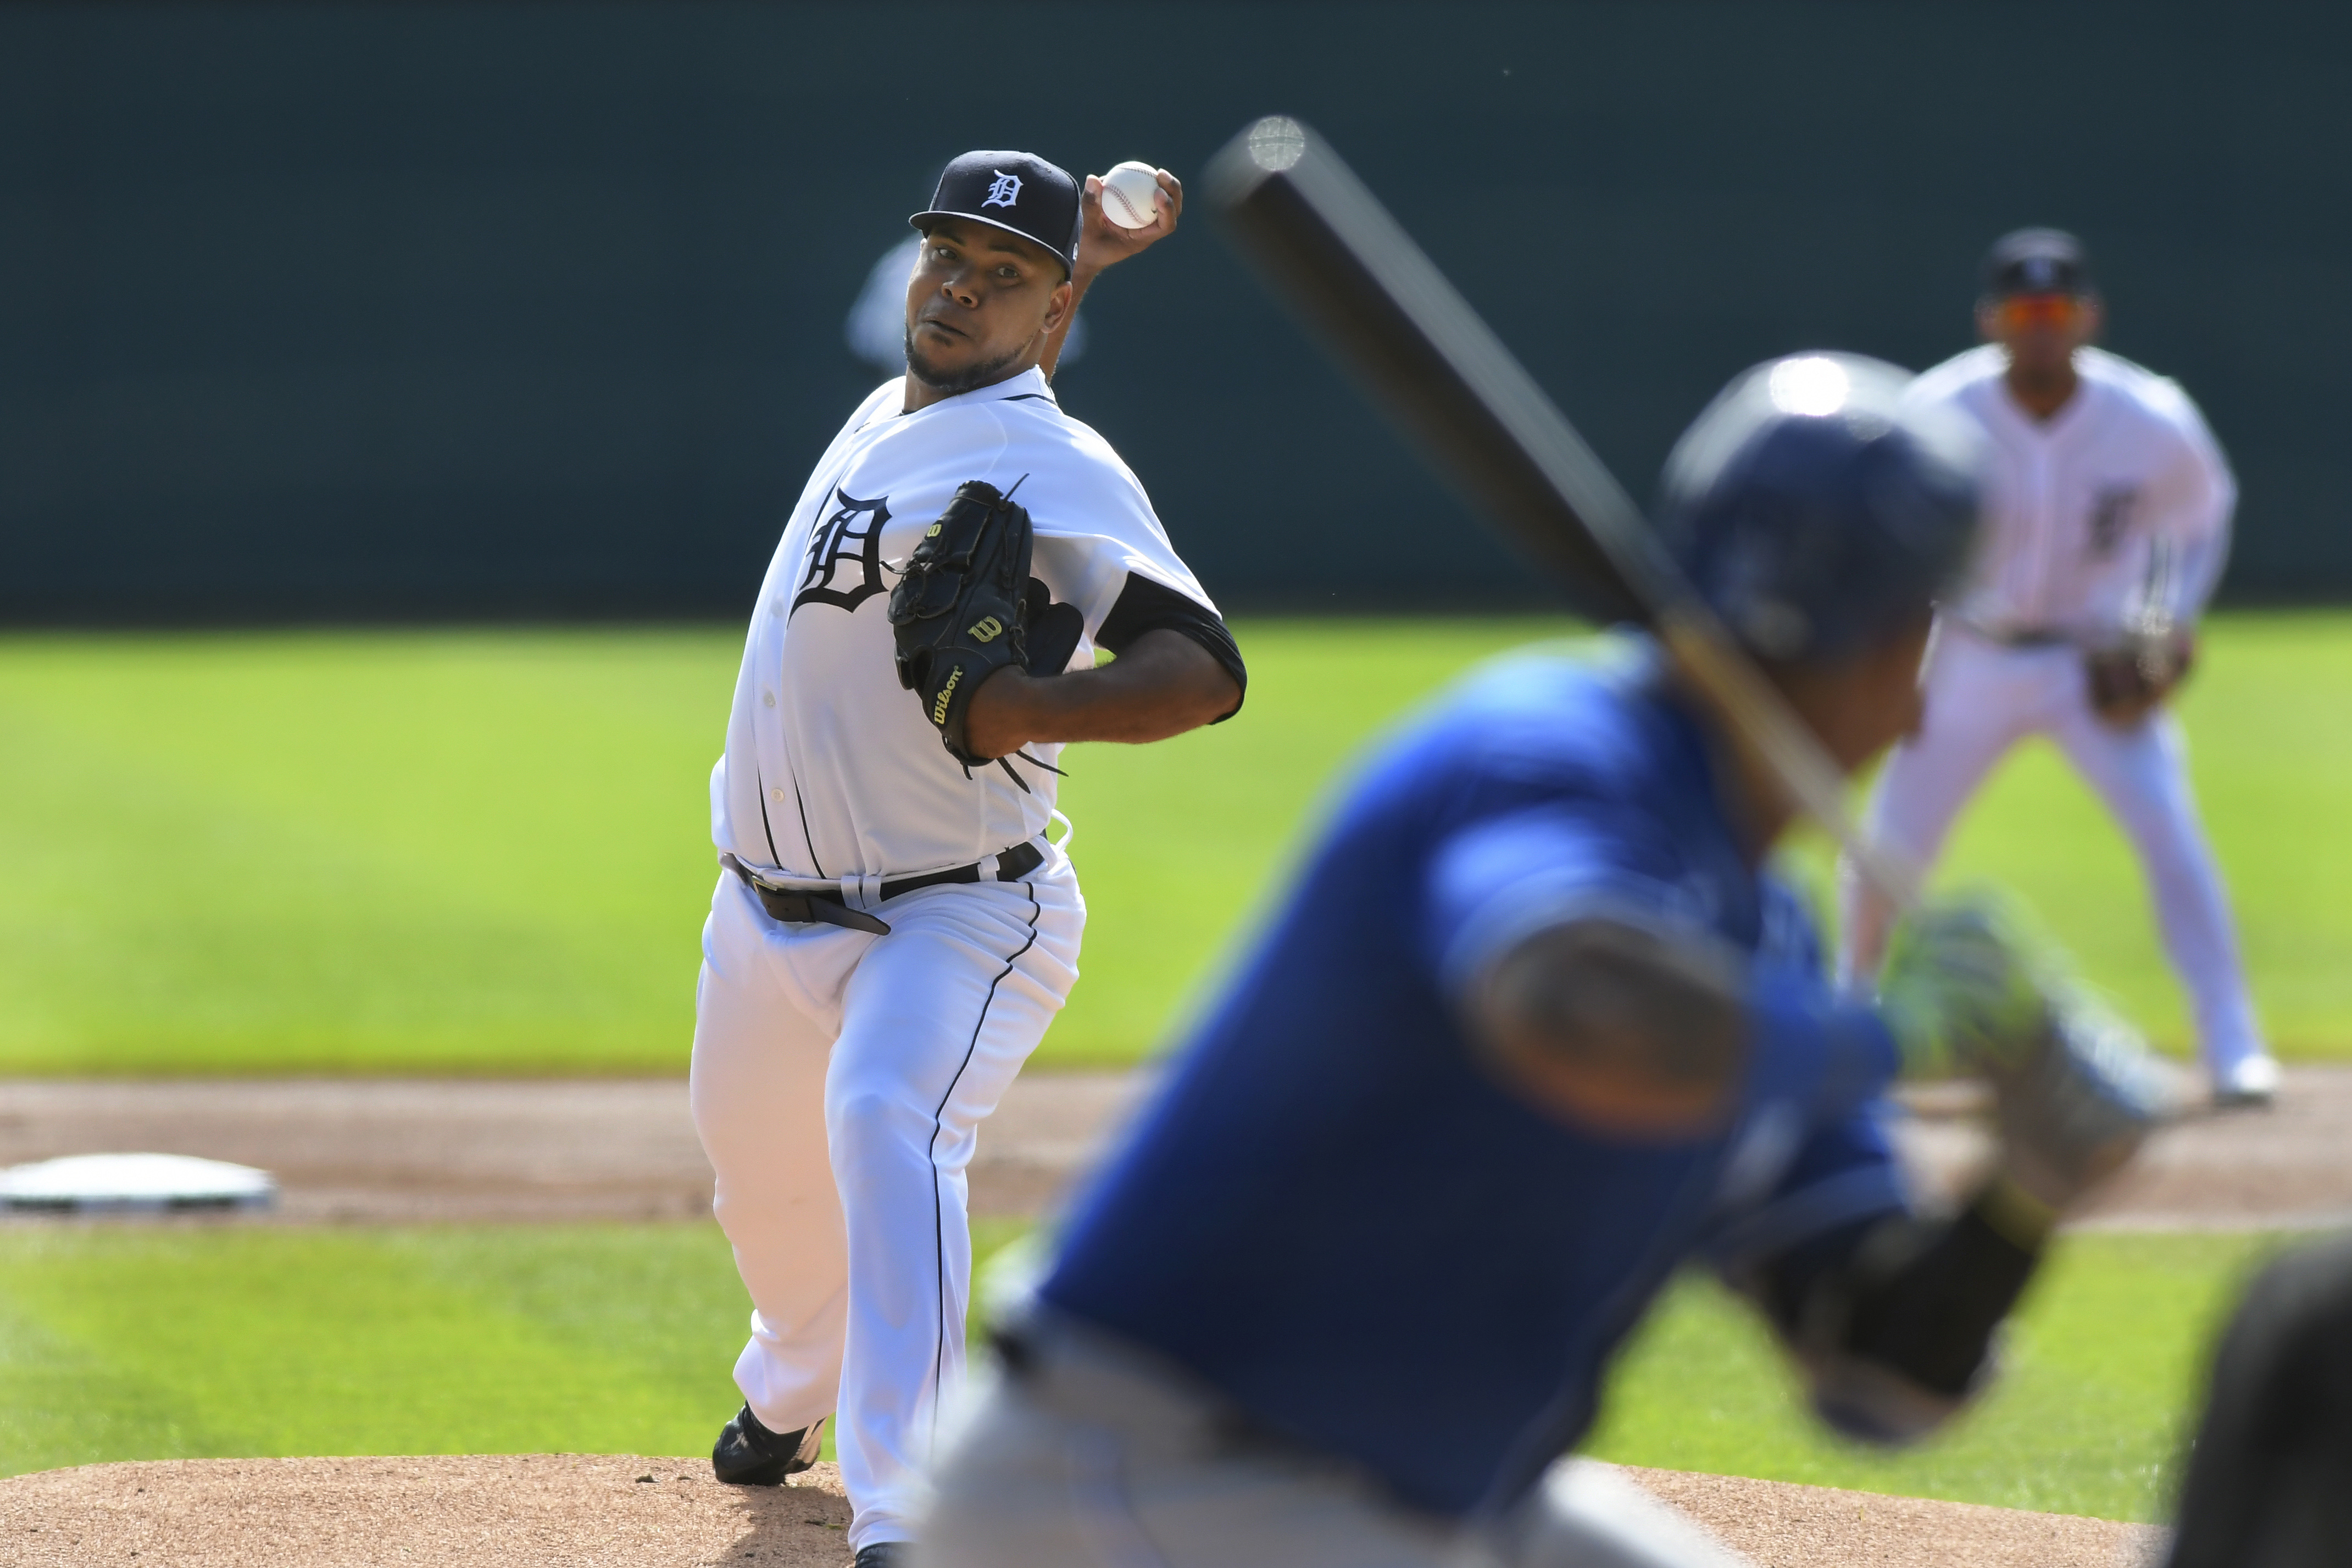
x: 807, y: 906
x: 2023, y: 637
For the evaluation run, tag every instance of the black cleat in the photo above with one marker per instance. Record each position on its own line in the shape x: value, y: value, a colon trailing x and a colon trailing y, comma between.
x: 881, y: 1554
x: 747, y: 1454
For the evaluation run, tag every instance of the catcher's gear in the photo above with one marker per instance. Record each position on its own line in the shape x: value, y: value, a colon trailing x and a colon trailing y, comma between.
x: 2129, y: 677
x: 2075, y: 1089
x: 966, y: 607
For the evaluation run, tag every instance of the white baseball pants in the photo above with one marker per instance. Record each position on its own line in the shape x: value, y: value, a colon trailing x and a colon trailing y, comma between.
x: 839, y: 1078
x: 1981, y: 700
x: 1096, y: 1457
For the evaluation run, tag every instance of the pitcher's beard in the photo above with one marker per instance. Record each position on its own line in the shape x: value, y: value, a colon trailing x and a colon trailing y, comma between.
x: 952, y: 384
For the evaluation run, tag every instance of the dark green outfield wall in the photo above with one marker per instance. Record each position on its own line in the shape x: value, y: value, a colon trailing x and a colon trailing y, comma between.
x: 320, y: 309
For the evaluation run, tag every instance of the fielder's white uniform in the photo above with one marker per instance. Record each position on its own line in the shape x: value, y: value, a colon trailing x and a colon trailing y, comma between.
x: 839, y: 1077
x: 2120, y: 500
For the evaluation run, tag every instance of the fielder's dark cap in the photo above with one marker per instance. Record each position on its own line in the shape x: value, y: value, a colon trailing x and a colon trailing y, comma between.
x: 1016, y: 192
x: 1816, y: 509
x: 2036, y: 262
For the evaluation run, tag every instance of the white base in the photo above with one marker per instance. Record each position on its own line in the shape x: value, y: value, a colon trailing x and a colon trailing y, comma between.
x: 143, y: 1184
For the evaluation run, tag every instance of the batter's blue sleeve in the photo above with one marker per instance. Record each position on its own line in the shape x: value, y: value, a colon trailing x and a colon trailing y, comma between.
x: 1844, y: 1176
x: 1498, y: 881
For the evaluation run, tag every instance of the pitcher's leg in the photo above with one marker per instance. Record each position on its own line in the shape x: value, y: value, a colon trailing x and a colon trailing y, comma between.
x: 938, y: 1020
x: 2142, y: 775
x: 757, y: 1088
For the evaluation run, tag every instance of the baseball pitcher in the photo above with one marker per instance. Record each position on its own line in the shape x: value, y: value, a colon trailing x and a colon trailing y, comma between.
x: 894, y: 928
x: 2107, y: 523
x: 1530, y: 1031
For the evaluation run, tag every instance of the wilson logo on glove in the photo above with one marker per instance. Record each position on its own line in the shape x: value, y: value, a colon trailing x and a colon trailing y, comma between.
x: 971, y: 571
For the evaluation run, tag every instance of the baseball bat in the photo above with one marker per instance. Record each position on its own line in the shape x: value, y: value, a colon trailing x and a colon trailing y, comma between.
x: 1323, y: 244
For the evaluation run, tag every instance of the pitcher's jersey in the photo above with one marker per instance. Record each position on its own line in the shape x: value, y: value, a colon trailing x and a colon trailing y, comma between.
x: 2075, y: 506
x: 831, y: 768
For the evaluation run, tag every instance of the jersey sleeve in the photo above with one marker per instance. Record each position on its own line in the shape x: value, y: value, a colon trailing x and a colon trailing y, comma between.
x: 2196, y: 496
x: 1814, y: 1157
x: 1817, y: 1164
x: 1095, y: 526
x: 1101, y: 547
x: 1841, y: 1176
x: 1498, y: 881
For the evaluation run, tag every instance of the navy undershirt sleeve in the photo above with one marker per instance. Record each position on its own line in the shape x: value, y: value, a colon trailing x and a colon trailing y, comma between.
x: 1144, y: 605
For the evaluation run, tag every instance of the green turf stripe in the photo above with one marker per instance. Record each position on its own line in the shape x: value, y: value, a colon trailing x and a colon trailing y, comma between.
x: 128, y: 1341
x: 355, y: 1342
x: 62, y: 1403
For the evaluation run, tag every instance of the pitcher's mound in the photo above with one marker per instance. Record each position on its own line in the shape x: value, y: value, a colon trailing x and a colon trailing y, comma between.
x: 584, y: 1511
x: 518, y: 1511
x: 1781, y: 1526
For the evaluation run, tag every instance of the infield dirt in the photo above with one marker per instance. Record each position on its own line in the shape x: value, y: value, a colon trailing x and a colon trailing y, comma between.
x: 630, y: 1512
x: 404, y: 1151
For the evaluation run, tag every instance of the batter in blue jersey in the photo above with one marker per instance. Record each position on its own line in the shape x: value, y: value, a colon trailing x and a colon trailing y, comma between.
x: 1530, y: 1032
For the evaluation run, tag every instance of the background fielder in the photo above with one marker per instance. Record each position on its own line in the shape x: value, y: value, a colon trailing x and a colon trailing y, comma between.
x: 2107, y: 523
x: 840, y: 1073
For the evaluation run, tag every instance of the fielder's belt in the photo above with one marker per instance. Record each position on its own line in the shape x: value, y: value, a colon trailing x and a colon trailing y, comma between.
x: 805, y: 906
x: 2126, y: 671
x: 2025, y: 637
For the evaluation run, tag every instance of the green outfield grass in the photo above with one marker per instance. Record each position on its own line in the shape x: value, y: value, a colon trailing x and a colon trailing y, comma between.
x: 487, y: 851
x: 121, y: 1342
x: 130, y: 1342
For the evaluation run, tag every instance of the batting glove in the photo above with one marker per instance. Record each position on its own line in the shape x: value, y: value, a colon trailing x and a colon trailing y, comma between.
x: 1961, y: 992
x: 2076, y: 1090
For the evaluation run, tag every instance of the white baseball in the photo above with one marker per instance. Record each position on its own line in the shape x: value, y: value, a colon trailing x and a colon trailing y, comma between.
x: 1126, y: 195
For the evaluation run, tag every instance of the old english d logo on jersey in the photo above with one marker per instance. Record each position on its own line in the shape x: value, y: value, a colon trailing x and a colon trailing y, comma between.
x: 851, y: 534
x: 2111, y: 514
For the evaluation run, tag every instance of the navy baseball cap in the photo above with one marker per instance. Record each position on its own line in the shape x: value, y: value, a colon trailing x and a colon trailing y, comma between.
x: 2036, y: 262
x: 1016, y: 192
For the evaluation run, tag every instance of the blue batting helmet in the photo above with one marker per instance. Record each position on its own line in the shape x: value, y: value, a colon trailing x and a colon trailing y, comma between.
x: 1816, y: 509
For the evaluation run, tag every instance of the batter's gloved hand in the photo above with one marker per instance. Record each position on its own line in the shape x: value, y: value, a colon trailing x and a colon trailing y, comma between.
x: 1961, y: 992
x: 2075, y: 1089
x: 960, y: 611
